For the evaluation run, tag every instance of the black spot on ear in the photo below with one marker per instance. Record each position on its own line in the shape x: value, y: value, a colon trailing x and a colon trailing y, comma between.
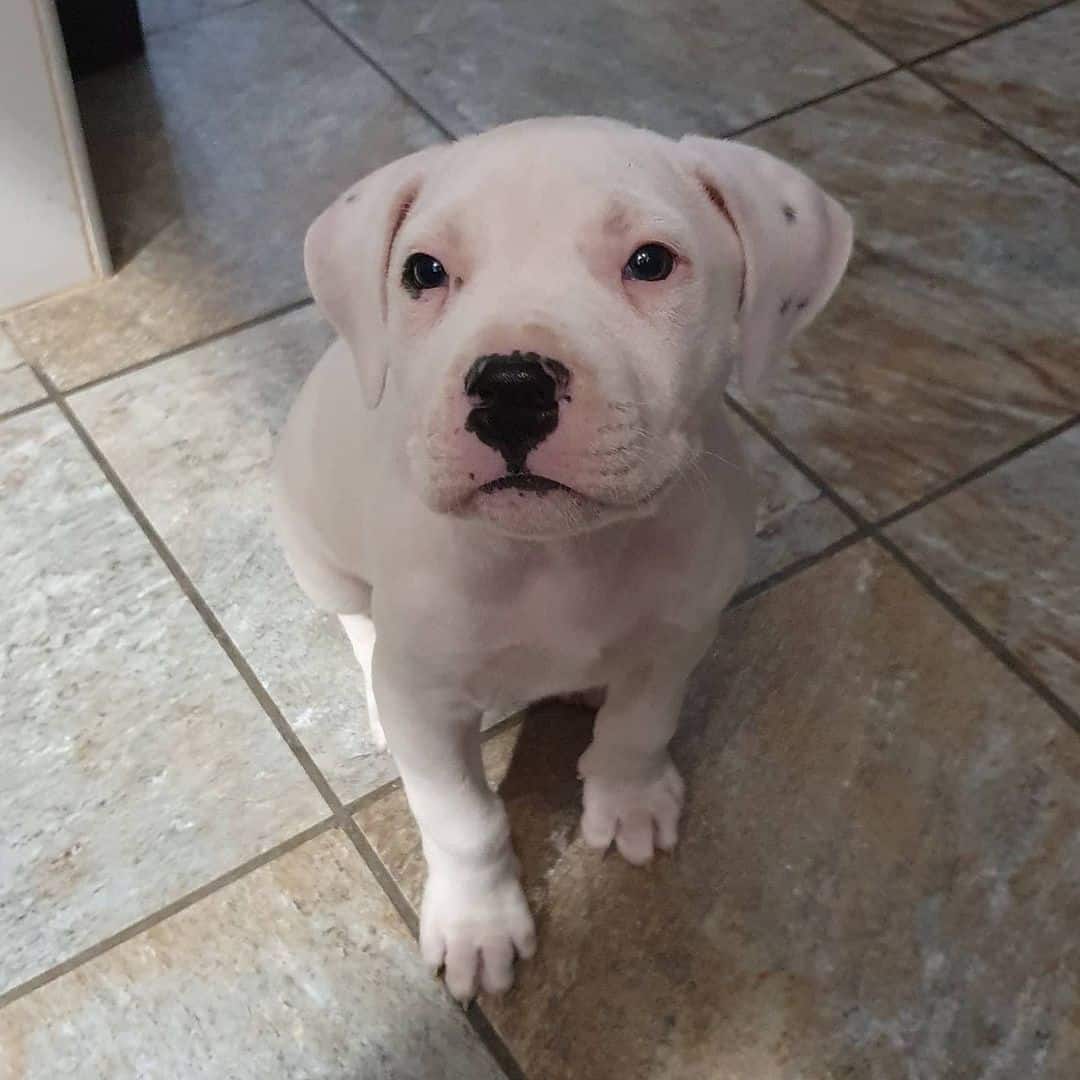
x: 789, y: 213
x: 351, y: 197
x: 785, y: 306
x: 802, y: 304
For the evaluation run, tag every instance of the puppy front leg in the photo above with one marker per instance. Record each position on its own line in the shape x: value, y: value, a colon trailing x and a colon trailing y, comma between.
x: 633, y: 793
x: 474, y: 917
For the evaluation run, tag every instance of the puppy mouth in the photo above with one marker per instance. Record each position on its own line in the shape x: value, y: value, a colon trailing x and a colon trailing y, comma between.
x: 543, y: 485
x: 524, y: 482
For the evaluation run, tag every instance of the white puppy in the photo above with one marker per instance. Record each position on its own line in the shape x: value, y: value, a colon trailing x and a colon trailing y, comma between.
x: 515, y: 462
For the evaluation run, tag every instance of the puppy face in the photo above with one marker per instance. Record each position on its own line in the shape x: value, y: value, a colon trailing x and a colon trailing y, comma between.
x: 553, y: 308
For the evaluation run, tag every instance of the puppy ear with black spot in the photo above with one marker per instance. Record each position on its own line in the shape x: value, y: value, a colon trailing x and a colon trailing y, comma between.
x: 796, y: 241
x: 346, y: 259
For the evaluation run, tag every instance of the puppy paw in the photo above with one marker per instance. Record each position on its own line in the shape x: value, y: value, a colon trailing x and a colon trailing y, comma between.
x: 473, y: 931
x: 639, y: 816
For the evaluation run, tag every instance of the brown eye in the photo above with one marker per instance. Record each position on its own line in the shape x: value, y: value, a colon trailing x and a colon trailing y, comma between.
x: 651, y: 262
x: 423, y: 272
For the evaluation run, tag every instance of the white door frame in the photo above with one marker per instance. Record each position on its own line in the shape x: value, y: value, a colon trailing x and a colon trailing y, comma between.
x: 50, y: 224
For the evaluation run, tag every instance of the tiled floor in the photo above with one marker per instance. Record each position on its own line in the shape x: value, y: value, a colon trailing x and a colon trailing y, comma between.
x: 206, y: 869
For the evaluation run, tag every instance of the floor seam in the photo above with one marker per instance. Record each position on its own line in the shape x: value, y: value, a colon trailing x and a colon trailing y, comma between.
x: 978, y: 630
x: 791, y: 110
x: 377, y: 66
x: 912, y: 67
x: 989, y: 31
x: 858, y: 520
x: 1004, y: 132
x: 795, y: 568
x: 862, y: 526
x: 167, y: 911
x: 873, y: 530
x: 190, y: 346
x: 1001, y: 460
x: 21, y: 410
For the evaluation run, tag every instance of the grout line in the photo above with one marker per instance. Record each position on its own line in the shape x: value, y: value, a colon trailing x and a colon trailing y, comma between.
x: 198, y: 343
x: 912, y: 68
x: 791, y: 110
x: 989, y: 31
x: 811, y: 474
x: 366, y: 56
x: 977, y: 473
x: 30, y: 406
x: 380, y: 872
x: 792, y: 569
x: 1002, y: 131
x: 980, y: 632
x: 491, y: 1038
x: 166, y: 912
x: 872, y: 530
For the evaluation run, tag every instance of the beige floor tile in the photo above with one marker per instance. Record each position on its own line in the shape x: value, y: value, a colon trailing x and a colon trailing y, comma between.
x: 669, y: 66
x: 879, y: 871
x: 301, y: 969
x: 1027, y: 79
x: 211, y: 159
x: 953, y: 337
x: 1007, y: 547
x: 911, y: 28
x: 138, y: 764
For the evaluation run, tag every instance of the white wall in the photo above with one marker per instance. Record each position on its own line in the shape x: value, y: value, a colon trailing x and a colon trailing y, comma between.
x: 50, y: 234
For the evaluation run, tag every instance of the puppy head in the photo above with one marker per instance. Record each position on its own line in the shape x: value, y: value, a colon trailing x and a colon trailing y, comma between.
x: 549, y: 312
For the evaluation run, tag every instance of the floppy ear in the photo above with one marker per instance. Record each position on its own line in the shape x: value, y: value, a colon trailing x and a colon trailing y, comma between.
x: 346, y: 258
x: 796, y: 241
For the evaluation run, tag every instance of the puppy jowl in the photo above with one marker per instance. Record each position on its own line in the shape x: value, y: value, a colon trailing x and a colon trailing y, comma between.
x: 511, y: 473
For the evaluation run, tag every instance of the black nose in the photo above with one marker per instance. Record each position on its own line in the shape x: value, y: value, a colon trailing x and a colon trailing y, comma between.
x: 515, y: 403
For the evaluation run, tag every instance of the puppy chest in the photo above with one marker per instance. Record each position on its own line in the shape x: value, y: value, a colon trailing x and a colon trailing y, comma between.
x: 553, y: 639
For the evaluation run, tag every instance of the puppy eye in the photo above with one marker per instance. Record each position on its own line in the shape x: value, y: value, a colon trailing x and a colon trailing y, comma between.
x: 423, y: 272
x: 651, y: 262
